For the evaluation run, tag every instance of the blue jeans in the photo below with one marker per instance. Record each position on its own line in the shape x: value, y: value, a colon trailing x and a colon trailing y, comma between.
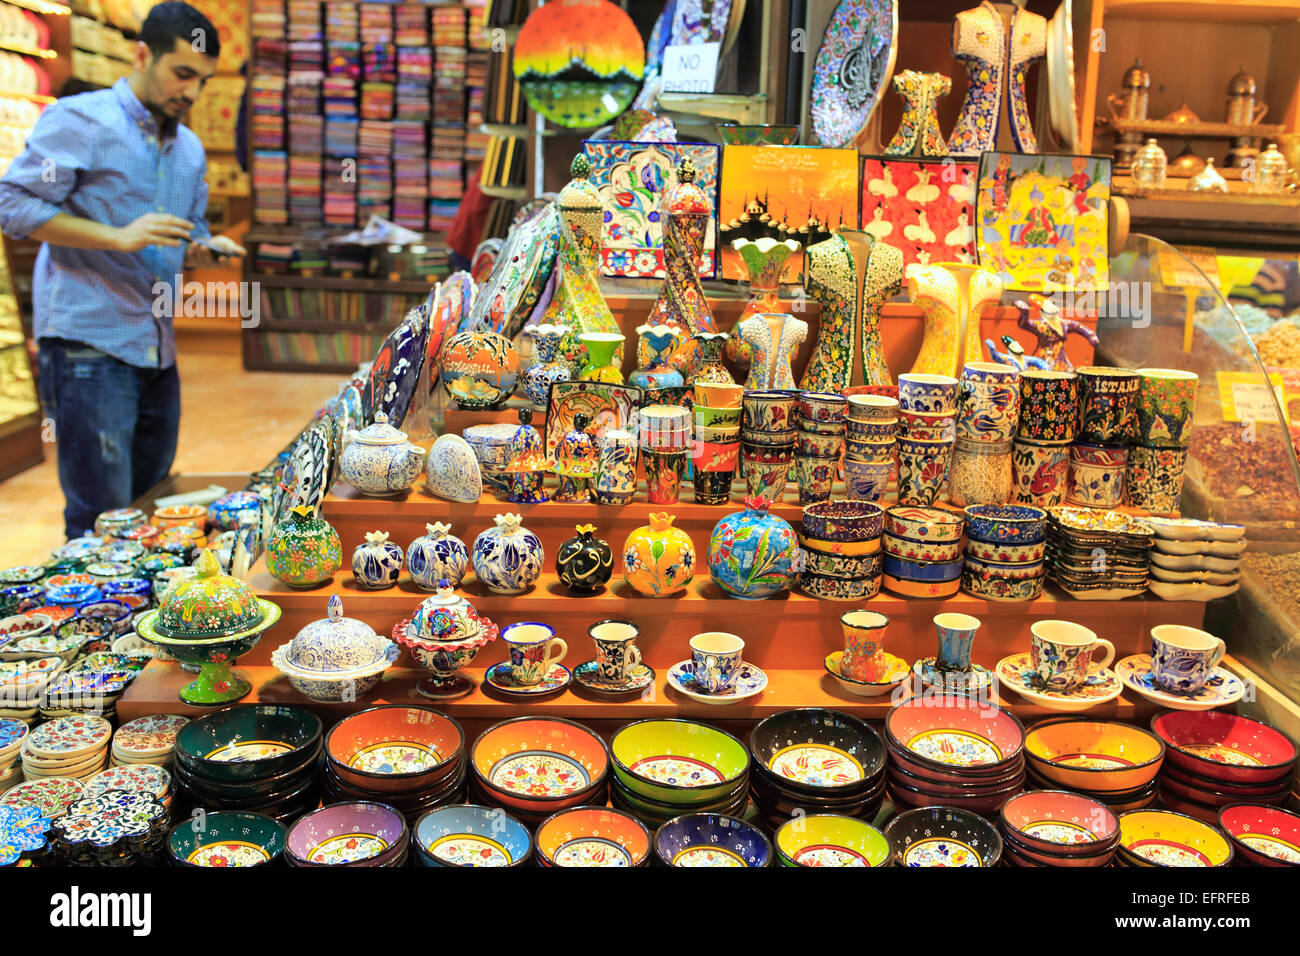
x: 115, y: 425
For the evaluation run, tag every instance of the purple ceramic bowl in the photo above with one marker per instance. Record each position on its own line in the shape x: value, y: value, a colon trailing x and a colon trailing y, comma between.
x: 348, y: 834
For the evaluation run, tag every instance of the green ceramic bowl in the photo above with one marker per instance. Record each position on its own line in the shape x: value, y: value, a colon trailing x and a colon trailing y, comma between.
x: 678, y: 761
x: 226, y: 839
x: 830, y: 840
x: 246, y: 743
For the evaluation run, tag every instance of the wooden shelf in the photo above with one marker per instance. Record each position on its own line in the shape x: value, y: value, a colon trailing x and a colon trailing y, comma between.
x: 1235, y: 11
x: 301, y: 325
x: 1199, y: 130
x: 337, y: 284
x: 28, y: 50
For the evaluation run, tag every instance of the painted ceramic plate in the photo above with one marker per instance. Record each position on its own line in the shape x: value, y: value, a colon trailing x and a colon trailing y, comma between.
x: 506, y: 299
x: 1017, y: 672
x: 51, y: 796
x: 139, y: 778
x: 394, y: 373
x: 556, y: 679
x: 1221, y: 689
x: 69, y: 736
x: 588, y: 675
x: 606, y: 407
x: 1191, y: 529
x: 866, y: 688
x: 448, y: 305
x: 150, y: 736
x: 21, y: 831
x: 750, y: 680
x: 853, y: 67
x: 22, y: 574
x: 452, y: 470
x: 104, y: 819
x: 930, y: 675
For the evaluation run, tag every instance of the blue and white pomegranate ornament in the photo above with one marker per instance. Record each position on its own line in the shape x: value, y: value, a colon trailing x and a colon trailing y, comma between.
x: 377, y: 563
x: 436, y: 555
x: 508, y: 557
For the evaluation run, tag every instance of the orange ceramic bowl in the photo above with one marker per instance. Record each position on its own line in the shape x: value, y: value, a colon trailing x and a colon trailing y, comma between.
x: 177, y: 515
x: 1095, y: 756
x: 395, y: 749
x: 592, y: 836
x: 540, y: 763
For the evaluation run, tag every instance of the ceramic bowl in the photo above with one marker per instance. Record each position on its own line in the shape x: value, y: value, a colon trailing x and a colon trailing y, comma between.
x: 1164, y: 838
x: 830, y: 840
x: 732, y: 802
x: 592, y: 836
x: 881, y: 451
x: 769, y: 439
x: 678, y: 761
x: 817, y: 751
x: 847, y: 567
x: 1010, y: 524
x: 711, y: 839
x: 1094, y: 756
x: 924, y: 524
x: 1264, y: 836
x: 819, y: 446
x: 933, y: 783
x: 226, y: 838
x: 17, y: 626
x: 1209, y: 796
x: 1021, y: 854
x: 872, y: 408
x: 110, y: 609
x: 955, y: 734
x: 929, y: 572
x: 822, y: 406
x: 1246, y: 792
x: 539, y: 763
x: 372, y: 748
x: 921, y: 392
x: 942, y: 836
x: 883, y: 430
x: 259, y: 789
x: 248, y: 742
x: 910, y: 424
x: 1007, y: 572
x: 468, y: 835
x: 410, y: 804
x: 1003, y: 553
x: 1224, y: 746
x: 927, y: 775
x: 1059, y: 823
x: 985, y: 804
x: 941, y: 552
x: 851, y: 520
x: 72, y: 595
x: 347, y: 834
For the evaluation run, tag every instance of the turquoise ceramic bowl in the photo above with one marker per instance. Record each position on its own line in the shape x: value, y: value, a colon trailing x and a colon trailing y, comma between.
x: 226, y: 839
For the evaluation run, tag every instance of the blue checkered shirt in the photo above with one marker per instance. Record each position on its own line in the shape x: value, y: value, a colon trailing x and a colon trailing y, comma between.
x: 97, y: 156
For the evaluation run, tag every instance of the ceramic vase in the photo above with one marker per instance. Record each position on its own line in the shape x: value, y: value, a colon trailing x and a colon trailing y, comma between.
x: 709, y: 367
x: 952, y: 297
x: 918, y: 132
x: 377, y: 563
x: 546, y: 370
x: 752, y: 553
x: 864, y: 656
x: 772, y: 340
x: 435, y: 556
x: 658, y: 559
x: 655, y: 344
x: 764, y: 262
x: 479, y: 369
x: 584, y: 562
x: 1153, y: 478
x: 663, y: 475
x: 1039, y: 472
x: 615, y: 482
x: 508, y: 557
x: 600, y: 348
x: 304, y: 550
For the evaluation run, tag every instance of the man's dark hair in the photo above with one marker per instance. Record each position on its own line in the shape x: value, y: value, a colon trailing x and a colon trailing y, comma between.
x: 177, y: 20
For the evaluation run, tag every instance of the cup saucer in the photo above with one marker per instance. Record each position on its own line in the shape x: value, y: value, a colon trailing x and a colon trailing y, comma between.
x: 588, y: 675
x: 1221, y: 689
x: 977, y: 678
x: 750, y: 680
x: 499, y: 676
x: 862, y: 688
x: 1017, y: 672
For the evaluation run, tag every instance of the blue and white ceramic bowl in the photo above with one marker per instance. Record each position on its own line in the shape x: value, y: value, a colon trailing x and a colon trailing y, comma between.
x: 711, y: 839
x: 921, y: 392
x: 866, y: 480
x: 471, y: 835
x: 906, y: 570
x: 138, y: 586
x: 1013, y: 524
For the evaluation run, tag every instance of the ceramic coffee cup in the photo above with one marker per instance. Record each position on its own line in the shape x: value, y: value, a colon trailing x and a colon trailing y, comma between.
x: 531, y: 644
x: 766, y: 476
x: 1182, y: 658
x: 864, y: 644
x: 1097, y: 475
x: 815, y: 477
x: 922, y: 470
x: 872, y: 408
x: 1153, y: 478
x: 1049, y: 405
x: 663, y: 475
x: 1064, y: 653
x: 1107, y: 404
x: 1039, y: 472
x: 616, y: 652
x: 921, y: 392
x: 956, y: 637
x: 1166, y: 403
x: 715, y: 660
x: 771, y: 410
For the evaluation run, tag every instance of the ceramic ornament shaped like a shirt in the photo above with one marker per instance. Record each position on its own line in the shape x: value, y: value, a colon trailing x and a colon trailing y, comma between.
x: 578, y: 304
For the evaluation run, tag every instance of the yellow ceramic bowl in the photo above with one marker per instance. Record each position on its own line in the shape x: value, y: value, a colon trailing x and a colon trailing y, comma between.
x: 828, y: 840
x: 1165, y: 838
x: 1096, y: 756
x: 846, y: 548
x: 677, y: 761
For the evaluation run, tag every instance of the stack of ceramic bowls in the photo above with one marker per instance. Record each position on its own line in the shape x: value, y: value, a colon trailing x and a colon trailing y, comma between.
x: 12, y: 734
x: 1194, y: 560
x: 927, y: 420
x: 226, y: 839
x: 1166, y: 405
x: 471, y: 836
x: 1215, y: 759
x: 820, y: 443
x: 716, y: 450
x: 1262, y: 836
x: 536, y: 766
x: 987, y: 416
x: 841, y: 542
x: 711, y: 839
x: 1164, y: 838
x: 1107, y: 425
x: 665, y: 432
x: 1078, y: 537
x: 147, y: 740
x: 1114, y: 763
x: 257, y: 757
x: 1057, y: 828
x: 112, y: 828
x: 767, y: 440
x: 74, y: 746
x: 954, y: 751
x: 411, y: 758
x: 592, y: 836
x: 830, y: 840
x: 815, y: 761
x: 666, y: 767
x: 923, y: 551
x: 1040, y: 453
x: 870, y: 446
x: 1019, y: 533
x: 943, y: 836
x: 348, y: 834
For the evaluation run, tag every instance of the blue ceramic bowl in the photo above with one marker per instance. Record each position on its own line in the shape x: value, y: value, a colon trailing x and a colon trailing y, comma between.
x: 21, y: 597
x: 872, y: 431
x: 1010, y: 524
x: 471, y: 835
x: 138, y: 586
x: 922, y: 570
x: 866, y: 480
x: 73, y: 595
x: 711, y: 839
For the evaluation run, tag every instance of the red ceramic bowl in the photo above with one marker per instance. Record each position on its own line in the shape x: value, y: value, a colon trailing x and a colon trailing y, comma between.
x: 1192, y: 808
x: 904, y: 761
x: 958, y: 735
x: 386, y: 737
x: 592, y: 836
x: 1224, y: 746
x: 1265, y: 836
x: 1039, y: 858
x: 1247, y: 791
x: 1011, y: 856
x: 985, y: 806
x: 1216, y: 798
x: 1059, y: 823
x: 538, y: 764
x: 956, y: 787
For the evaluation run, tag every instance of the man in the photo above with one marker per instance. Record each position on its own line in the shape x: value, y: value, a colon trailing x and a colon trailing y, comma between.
x: 113, y: 185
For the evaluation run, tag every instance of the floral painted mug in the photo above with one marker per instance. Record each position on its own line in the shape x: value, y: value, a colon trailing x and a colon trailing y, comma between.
x: 1064, y: 653
x: 864, y: 645
x: 1182, y: 658
x: 530, y: 644
x: 715, y: 660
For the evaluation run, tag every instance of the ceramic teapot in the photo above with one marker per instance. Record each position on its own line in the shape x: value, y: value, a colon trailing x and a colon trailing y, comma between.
x: 379, y: 461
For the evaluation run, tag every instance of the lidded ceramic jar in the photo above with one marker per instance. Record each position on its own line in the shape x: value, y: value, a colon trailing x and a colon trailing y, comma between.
x: 335, y: 642
x: 379, y: 461
x: 753, y: 554
x: 377, y: 563
x: 584, y: 562
x: 658, y: 559
x: 303, y: 550
x: 118, y: 520
x: 446, y: 618
x: 508, y: 557
x: 437, y: 555
x: 208, y: 604
x: 228, y: 511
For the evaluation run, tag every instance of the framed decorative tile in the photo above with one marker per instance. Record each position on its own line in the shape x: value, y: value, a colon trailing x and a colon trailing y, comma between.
x: 632, y: 177
x: 786, y: 192
x: 1042, y: 221
x: 924, y: 208
x: 606, y: 407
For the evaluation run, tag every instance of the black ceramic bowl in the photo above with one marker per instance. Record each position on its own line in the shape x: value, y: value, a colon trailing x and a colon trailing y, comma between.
x: 248, y: 743
x: 817, y: 752
x: 259, y: 791
x: 943, y: 836
x: 768, y: 793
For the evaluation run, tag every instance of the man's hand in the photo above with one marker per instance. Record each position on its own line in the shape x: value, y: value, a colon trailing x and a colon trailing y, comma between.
x: 218, y: 250
x: 153, y: 229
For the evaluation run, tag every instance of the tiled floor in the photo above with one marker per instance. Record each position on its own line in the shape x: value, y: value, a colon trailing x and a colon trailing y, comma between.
x: 231, y: 420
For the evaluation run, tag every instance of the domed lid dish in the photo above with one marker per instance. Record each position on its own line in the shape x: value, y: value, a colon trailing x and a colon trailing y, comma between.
x: 380, y: 432
x: 335, y: 642
x: 581, y: 192
x: 446, y: 618
x: 1184, y: 114
x: 211, y: 605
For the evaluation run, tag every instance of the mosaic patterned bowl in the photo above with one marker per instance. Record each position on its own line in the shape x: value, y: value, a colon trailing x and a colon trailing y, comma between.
x: 924, y: 524
x: 655, y: 812
x: 816, y: 751
x: 226, y: 839
x: 1165, y: 838
x: 395, y: 749
x: 955, y: 734
x: 1264, y: 836
x: 1225, y: 747
x: 471, y: 836
x: 540, y: 763
x: 830, y: 840
x: 1094, y: 756
x: 250, y: 742
x: 678, y: 761
x: 348, y: 834
x: 943, y: 836
x: 711, y: 839
x: 592, y: 836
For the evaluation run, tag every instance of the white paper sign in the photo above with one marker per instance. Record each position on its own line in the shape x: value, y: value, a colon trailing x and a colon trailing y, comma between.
x: 690, y: 68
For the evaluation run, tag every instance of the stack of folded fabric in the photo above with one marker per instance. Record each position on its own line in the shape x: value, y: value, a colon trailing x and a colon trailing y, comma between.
x: 411, y: 24
x: 267, y: 19
x: 410, y: 175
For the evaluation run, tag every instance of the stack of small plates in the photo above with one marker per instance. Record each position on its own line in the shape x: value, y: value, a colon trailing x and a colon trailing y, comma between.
x: 112, y: 828
x: 12, y: 734
x: 1078, y: 537
x: 1111, y: 762
x: 141, y: 778
x: 21, y: 684
x: 1195, y: 560
x: 67, y: 747
x: 147, y: 740
x: 1057, y: 828
x: 349, y: 834
x: 52, y: 796
x: 91, y: 686
x: 1165, y: 838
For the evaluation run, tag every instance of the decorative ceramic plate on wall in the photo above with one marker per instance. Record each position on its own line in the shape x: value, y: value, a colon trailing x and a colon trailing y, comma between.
x: 606, y: 407
x: 506, y: 298
x: 854, y: 65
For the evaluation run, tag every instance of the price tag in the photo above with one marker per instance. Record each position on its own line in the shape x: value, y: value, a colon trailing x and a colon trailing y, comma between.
x: 690, y: 68
x: 1178, y: 271
x: 1244, y: 396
